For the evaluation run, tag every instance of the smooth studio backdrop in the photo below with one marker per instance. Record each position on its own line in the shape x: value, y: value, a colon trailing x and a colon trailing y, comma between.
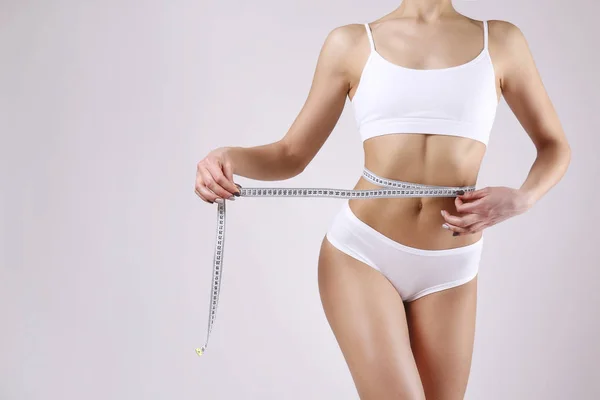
x: 105, y: 109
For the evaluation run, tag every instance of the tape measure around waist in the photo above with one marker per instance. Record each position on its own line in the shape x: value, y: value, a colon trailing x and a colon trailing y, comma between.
x: 389, y: 189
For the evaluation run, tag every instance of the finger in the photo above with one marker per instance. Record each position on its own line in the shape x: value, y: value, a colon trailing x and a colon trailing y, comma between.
x: 463, y: 221
x: 453, y: 228
x: 474, y: 194
x: 211, y: 183
x: 457, y: 230
x: 201, y: 196
x: 198, y: 188
x: 207, y: 194
x: 472, y: 229
x: 472, y: 207
x: 458, y: 202
x: 223, y: 181
x: 199, y: 182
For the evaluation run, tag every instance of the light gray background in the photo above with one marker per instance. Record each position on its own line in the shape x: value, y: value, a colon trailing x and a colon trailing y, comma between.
x: 105, y: 108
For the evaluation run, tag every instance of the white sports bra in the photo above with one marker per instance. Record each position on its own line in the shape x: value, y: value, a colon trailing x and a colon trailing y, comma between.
x: 456, y: 101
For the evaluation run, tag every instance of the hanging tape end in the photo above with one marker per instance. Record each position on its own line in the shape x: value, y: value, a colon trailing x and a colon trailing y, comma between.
x: 200, y: 351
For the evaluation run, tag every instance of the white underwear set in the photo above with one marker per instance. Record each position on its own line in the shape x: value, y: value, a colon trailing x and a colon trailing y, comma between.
x: 390, y: 99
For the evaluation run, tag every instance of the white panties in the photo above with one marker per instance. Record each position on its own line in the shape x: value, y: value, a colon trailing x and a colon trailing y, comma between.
x: 414, y: 272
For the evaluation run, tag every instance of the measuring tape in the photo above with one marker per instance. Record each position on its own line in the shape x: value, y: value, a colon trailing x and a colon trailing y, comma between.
x: 390, y: 189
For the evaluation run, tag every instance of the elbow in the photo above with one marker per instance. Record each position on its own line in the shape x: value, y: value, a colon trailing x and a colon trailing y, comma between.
x: 299, y: 168
x: 560, y: 150
x: 294, y: 160
x: 565, y: 152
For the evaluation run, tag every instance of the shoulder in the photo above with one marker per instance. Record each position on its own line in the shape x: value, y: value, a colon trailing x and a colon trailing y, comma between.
x: 342, y: 46
x: 510, y: 51
x: 346, y: 34
x: 344, y: 39
x: 506, y: 35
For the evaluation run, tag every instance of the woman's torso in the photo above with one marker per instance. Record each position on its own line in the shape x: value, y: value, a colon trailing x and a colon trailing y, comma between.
x: 405, y: 55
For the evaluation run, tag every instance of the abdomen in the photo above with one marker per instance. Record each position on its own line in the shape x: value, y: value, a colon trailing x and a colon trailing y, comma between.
x: 419, y: 158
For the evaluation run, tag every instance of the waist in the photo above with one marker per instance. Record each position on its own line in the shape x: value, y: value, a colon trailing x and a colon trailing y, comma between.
x: 415, y: 221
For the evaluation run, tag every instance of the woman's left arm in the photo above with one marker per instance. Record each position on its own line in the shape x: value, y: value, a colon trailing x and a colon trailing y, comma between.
x: 525, y: 94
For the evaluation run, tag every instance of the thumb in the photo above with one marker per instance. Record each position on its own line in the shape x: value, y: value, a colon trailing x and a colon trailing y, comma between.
x: 472, y: 195
x: 466, y: 195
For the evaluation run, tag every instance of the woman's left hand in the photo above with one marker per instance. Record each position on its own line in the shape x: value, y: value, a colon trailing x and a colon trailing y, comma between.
x: 485, y: 207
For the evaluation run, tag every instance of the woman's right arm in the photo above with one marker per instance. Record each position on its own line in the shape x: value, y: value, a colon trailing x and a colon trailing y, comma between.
x: 290, y: 155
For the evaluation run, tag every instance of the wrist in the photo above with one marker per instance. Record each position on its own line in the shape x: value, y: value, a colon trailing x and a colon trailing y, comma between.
x: 226, y: 151
x: 528, y: 198
x: 228, y: 154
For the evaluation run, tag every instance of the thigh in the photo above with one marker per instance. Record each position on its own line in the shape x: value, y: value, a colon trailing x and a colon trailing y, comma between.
x: 367, y: 317
x: 442, y: 330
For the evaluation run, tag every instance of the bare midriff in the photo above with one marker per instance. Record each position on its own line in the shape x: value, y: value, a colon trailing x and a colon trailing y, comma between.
x: 428, y: 159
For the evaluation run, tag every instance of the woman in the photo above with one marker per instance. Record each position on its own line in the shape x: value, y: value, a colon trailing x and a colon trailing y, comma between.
x: 398, y: 276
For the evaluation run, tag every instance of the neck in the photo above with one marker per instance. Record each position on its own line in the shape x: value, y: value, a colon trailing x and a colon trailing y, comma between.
x: 425, y: 10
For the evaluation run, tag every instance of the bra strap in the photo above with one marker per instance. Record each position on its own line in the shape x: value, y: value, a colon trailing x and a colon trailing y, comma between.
x: 485, y: 34
x: 370, y: 35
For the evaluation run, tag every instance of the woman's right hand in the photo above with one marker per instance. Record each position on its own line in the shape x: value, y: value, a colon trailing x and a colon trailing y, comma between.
x: 214, y: 177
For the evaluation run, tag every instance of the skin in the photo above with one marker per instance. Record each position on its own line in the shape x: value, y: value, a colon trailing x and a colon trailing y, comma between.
x: 396, y: 349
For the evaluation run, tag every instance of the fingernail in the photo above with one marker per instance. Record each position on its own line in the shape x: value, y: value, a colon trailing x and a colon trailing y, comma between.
x: 442, y: 212
x: 232, y: 198
x: 211, y: 202
x: 445, y: 226
x: 238, y: 194
x: 238, y: 185
x: 219, y: 200
x: 460, y: 192
x: 455, y: 234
